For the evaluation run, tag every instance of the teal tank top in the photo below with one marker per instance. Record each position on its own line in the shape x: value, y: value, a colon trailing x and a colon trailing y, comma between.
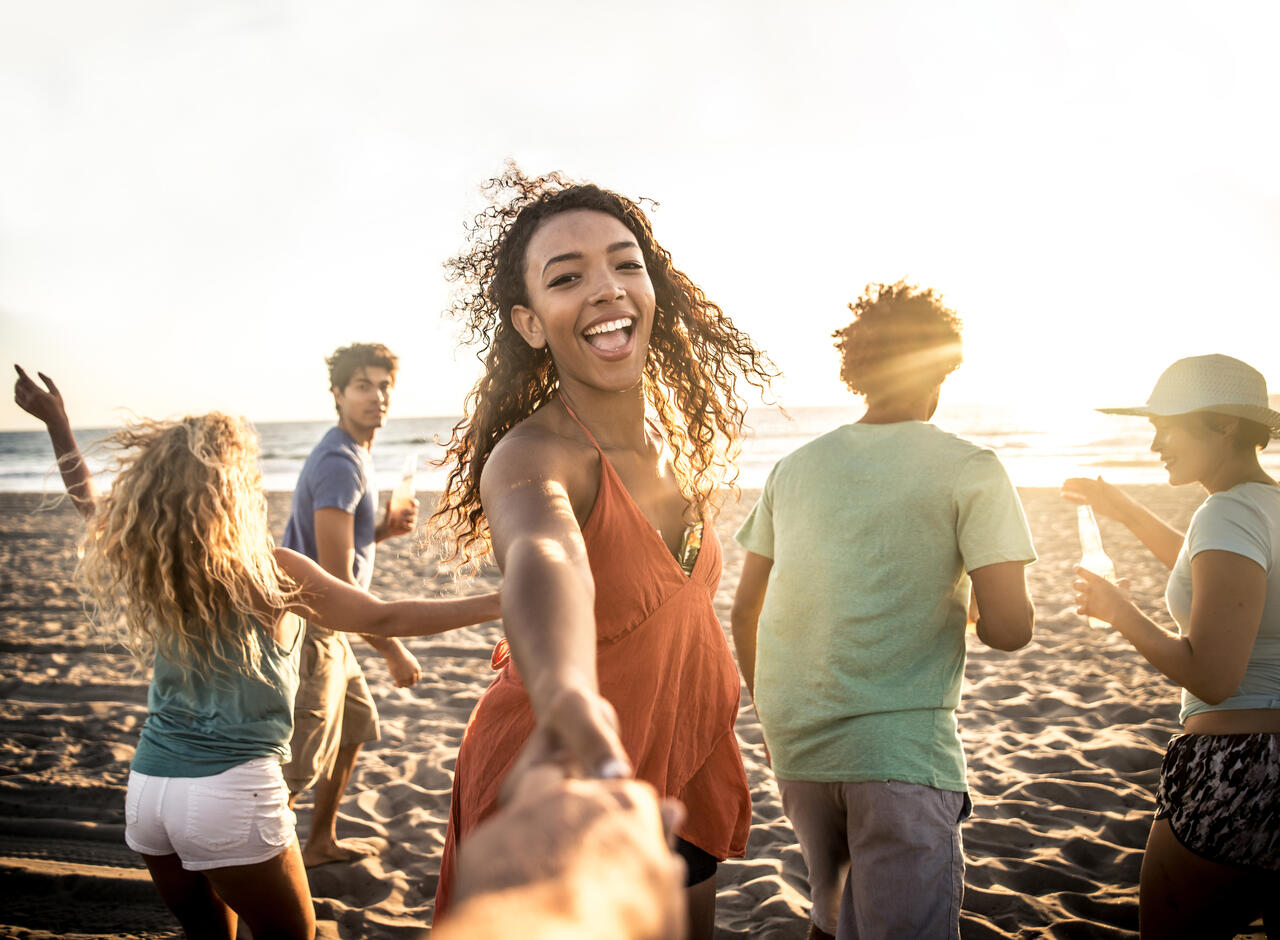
x: 200, y: 725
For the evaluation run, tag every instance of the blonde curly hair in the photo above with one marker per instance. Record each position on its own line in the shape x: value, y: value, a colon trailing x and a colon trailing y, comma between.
x: 177, y: 558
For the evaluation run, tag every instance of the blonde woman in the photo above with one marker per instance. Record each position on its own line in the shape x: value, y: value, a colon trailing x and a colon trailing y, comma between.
x: 178, y: 552
x: 1213, y: 856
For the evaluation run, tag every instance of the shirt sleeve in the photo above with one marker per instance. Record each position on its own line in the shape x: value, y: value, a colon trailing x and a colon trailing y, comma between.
x: 990, y: 525
x: 756, y: 533
x: 1228, y: 523
x: 337, y: 483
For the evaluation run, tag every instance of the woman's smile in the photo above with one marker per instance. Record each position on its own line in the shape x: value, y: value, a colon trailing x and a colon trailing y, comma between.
x: 590, y: 299
x: 611, y: 338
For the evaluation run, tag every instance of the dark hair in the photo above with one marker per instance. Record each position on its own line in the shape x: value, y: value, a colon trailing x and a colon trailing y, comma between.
x: 696, y: 355
x: 1248, y: 436
x: 902, y: 342
x: 347, y: 359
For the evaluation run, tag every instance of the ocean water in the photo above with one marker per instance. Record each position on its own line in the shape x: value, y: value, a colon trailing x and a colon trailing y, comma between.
x: 1038, y: 449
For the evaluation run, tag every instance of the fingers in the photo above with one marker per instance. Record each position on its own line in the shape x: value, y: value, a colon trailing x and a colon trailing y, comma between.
x: 538, y: 752
x: 48, y: 382
x: 673, y: 816
x: 535, y: 784
x: 586, y: 726
x: 579, y: 735
x: 1084, y: 574
x: 23, y: 386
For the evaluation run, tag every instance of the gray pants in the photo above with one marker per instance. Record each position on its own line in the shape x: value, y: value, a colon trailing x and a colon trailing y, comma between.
x: 884, y: 857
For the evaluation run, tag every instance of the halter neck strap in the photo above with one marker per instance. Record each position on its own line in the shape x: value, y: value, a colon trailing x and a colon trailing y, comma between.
x: 590, y: 436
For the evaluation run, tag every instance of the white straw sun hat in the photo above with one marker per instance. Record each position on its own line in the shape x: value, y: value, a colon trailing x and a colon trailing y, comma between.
x: 1209, y: 383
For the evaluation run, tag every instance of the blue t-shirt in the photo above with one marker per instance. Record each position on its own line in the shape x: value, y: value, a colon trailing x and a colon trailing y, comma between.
x: 199, y: 725
x: 338, y: 474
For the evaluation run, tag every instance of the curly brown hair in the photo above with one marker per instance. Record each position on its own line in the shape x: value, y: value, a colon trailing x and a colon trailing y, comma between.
x: 696, y: 355
x: 177, y: 555
x: 902, y: 342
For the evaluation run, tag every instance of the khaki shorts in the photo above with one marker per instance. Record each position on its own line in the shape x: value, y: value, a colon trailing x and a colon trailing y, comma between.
x: 884, y: 857
x: 333, y: 709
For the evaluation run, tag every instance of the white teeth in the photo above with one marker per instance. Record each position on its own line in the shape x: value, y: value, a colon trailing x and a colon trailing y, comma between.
x: 608, y: 327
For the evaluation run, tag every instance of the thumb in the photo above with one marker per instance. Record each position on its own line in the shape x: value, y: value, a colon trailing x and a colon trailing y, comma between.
x: 53, y: 389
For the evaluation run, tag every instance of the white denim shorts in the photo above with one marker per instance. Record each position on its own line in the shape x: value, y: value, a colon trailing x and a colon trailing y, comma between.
x: 238, y: 817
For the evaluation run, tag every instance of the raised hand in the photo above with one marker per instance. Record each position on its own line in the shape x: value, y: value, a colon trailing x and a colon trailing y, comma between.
x: 46, y: 404
x: 43, y: 403
x: 1098, y: 493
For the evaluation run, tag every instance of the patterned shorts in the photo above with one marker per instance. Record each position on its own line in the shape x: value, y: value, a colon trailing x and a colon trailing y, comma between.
x: 1221, y: 795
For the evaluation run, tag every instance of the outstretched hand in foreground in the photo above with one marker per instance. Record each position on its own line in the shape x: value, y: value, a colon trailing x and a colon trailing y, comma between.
x: 572, y: 859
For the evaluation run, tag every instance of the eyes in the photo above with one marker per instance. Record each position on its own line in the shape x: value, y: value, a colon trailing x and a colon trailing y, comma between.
x: 574, y: 276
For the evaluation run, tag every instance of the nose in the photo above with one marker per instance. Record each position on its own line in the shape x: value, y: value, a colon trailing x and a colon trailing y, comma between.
x: 607, y: 288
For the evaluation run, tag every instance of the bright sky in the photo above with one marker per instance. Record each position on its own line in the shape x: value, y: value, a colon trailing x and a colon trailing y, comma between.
x: 199, y: 201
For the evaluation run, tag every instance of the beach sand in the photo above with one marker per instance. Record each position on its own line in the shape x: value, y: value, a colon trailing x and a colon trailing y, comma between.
x: 1064, y: 740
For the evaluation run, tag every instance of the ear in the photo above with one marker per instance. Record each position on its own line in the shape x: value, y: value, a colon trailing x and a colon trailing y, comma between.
x: 528, y: 325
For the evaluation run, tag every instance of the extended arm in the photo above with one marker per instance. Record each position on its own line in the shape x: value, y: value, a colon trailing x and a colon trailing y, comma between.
x: 1228, y: 592
x: 46, y: 404
x: 1006, y: 616
x: 745, y: 618
x: 548, y: 602
x: 337, y: 605
x: 336, y: 552
x: 1163, y: 540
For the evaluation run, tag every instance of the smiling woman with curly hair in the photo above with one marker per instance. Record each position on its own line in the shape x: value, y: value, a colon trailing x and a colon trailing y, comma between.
x: 607, y: 416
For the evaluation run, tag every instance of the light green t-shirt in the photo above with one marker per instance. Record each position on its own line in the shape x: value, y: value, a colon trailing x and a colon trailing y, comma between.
x: 860, y: 652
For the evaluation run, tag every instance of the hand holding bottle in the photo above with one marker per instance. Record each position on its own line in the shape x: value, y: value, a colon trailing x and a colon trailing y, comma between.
x: 402, y: 509
x: 1100, y: 600
x: 1094, y: 557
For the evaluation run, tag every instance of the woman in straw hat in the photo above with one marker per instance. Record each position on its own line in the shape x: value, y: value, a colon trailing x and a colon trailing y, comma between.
x: 1213, y: 856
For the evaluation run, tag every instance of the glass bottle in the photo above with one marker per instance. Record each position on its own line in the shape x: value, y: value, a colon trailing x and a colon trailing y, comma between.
x: 1093, y: 556
x: 402, y: 495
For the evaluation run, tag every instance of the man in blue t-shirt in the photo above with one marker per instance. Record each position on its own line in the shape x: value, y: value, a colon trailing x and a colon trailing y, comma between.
x: 334, y: 521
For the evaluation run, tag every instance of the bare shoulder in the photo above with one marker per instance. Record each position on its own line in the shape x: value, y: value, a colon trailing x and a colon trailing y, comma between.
x: 542, y: 452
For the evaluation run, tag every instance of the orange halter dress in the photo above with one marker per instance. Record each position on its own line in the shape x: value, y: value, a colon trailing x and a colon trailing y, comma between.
x: 662, y: 662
